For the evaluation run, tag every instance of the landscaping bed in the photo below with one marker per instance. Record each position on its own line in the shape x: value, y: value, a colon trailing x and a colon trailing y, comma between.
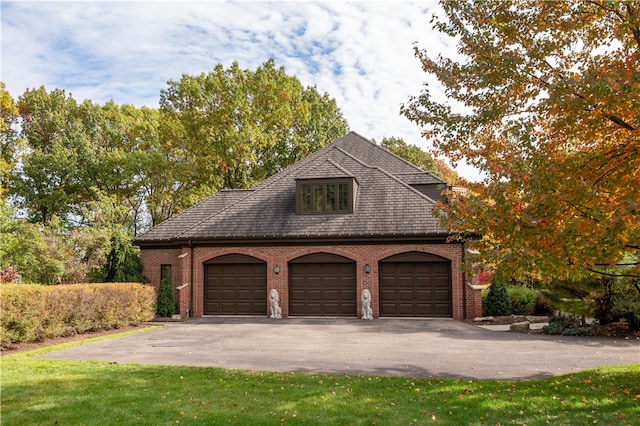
x: 614, y: 329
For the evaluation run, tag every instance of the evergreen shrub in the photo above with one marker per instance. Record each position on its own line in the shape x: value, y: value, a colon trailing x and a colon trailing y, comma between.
x: 497, y: 302
x: 166, y: 305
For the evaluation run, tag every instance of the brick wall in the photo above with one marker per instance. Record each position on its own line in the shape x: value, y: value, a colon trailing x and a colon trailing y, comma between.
x: 465, y: 298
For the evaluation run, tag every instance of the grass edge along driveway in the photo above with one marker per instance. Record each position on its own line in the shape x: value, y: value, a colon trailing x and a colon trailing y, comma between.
x: 36, y: 391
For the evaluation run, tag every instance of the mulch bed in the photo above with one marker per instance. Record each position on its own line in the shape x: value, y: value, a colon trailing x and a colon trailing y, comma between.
x: 614, y: 329
x: 21, y: 347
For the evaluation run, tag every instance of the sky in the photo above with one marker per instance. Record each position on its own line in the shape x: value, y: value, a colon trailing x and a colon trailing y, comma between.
x: 360, y: 53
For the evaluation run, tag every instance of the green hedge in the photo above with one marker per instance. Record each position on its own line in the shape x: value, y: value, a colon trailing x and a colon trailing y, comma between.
x: 31, y: 313
x: 522, y: 301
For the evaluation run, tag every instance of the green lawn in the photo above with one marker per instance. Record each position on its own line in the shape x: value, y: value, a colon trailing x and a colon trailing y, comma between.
x: 46, y: 392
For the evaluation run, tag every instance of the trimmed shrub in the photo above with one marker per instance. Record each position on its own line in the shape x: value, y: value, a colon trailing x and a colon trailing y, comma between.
x: 626, y: 306
x: 522, y: 299
x: 568, y: 325
x: 166, y: 305
x: 35, y: 312
x: 497, y: 302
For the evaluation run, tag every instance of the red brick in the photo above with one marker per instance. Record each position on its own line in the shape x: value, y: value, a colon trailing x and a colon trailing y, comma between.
x: 466, y: 301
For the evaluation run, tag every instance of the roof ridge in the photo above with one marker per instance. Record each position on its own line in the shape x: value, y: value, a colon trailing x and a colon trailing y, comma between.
x: 395, y: 155
x: 391, y: 175
x: 219, y: 211
x: 340, y: 167
x: 425, y: 172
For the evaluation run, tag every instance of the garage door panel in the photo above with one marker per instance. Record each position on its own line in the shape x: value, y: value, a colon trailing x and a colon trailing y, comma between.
x: 331, y: 294
x: 235, y: 289
x: 322, y: 289
x: 348, y: 294
x: 244, y: 294
x: 313, y: 295
x: 424, y: 294
x: 227, y: 294
x: 441, y: 296
x: 404, y: 295
x: 421, y: 289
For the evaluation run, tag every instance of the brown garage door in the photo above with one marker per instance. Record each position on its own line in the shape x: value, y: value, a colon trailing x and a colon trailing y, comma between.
x: 415, y: 285
x: 322, y: 285
x: 235, y: 285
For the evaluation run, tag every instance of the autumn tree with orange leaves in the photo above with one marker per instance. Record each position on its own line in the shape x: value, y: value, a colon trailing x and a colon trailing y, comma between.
x: 544, y: 99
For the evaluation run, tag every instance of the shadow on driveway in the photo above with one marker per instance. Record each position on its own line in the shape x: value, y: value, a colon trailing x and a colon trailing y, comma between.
x: 390, y: 347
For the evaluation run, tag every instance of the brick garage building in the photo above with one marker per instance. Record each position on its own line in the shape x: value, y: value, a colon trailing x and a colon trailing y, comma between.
x: 349, y: 217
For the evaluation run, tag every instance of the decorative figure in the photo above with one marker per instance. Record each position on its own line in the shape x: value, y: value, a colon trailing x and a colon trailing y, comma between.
x: 274, y: 304
x: 367, y: 312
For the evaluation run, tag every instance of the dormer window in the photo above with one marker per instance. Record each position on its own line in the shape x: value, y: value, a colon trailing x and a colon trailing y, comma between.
x: 325, y: 196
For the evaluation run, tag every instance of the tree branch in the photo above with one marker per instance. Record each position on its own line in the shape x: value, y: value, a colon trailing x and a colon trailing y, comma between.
x: 608, y: 274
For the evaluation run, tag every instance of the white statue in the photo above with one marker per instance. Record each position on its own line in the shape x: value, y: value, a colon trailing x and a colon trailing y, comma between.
x: 367, y: 312
x: 274, y: 303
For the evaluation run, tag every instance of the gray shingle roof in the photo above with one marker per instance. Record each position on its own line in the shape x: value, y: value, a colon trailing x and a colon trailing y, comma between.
x: 386, y: 205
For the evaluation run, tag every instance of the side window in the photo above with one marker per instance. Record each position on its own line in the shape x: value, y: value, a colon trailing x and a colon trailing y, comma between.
x: 165, y: 272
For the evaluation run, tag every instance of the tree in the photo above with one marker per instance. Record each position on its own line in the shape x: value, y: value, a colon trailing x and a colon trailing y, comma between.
x: 52, y: 180
x: 237, y: 127
x: 8, y: 137
x: 420, y: 158
x: 543, y: 98
x: 412, y: 153
x: 75, y: 153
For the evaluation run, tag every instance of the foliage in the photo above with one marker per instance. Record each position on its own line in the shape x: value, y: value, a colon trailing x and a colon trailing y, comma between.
x: 123, y: 262
x: 8, y: 140
x: 542, y: 99
x: 412, y: 153
x: 522, y: 299
x: 588, y: 297
x: 166, y: 306
x: 237, y: 127
x: 101, y: 250
x: 568, y: 325
x: 625, y: 304
x: 420, y: 158
x: 497, y: 302
x: 75, y: 153
x: 34, y: 312
x: 83, y: 393
x: 9, y: 275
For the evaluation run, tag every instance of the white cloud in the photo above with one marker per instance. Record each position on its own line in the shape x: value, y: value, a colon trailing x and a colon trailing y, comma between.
x: 360, y: 53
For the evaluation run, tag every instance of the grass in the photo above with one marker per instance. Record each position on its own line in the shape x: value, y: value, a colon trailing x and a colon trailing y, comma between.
x: 37, y: 392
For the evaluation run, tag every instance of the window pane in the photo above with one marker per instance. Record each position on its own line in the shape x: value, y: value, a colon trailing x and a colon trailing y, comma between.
x: 343, y: 197
x: 165, y: 272
x: 332, y: 198
x: 306, y: 198
x: 318, y: 198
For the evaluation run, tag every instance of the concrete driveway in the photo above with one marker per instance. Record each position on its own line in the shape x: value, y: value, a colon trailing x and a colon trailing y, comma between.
x: 390, y: 347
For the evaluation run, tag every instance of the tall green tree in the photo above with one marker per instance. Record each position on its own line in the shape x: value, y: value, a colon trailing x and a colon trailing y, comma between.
x: 423, y: 159
x: 236, y: 127
x: 412, y: 153
x: 51, y: 180
x: 8, y: 137
x: 543, y: 98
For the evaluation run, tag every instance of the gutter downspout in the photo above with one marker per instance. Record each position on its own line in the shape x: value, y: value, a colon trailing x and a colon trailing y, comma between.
x: 464, y: 284
x: 190, y: 312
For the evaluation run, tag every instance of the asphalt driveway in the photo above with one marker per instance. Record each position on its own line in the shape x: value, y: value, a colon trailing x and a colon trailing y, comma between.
x: 394, y: 347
